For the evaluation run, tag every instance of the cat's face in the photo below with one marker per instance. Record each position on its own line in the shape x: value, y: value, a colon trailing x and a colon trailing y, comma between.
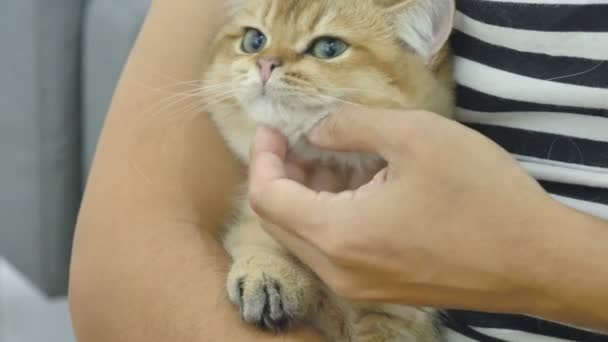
x: 289, y: 63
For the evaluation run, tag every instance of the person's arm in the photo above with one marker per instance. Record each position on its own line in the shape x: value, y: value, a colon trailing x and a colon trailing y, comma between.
x: 570, y: 267
x: 451, y: 222
x: 147, y: 265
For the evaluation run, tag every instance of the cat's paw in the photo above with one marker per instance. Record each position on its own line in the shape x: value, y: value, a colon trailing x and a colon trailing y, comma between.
x: 270, y: 292
x: 262, y: 303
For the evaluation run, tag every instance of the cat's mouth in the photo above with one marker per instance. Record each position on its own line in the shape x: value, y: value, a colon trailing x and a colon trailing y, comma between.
x: 267, y: 90
x: 277, y: 93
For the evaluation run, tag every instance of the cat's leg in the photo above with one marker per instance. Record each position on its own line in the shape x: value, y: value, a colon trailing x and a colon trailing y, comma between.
x: 391, y: 323
x: 328, y: 315
x: 347, y: 321
x: 268, y: 286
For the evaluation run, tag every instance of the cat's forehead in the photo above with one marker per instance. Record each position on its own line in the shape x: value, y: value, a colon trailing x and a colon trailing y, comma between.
x: 302, y: 19
x: 275, y: 8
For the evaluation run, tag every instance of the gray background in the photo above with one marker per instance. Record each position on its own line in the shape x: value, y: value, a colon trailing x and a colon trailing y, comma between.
x: 59, y: 63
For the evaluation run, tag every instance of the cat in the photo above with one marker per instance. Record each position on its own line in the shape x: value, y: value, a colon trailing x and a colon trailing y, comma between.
x: 288, y: 64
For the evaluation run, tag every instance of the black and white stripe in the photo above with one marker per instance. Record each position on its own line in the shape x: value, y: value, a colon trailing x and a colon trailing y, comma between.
x: 533, y: 76
x: 524, y: 327
x: 566, y: 16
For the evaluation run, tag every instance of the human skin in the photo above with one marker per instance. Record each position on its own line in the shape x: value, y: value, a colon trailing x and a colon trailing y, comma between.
x: 147, y: 264
x: 451, y: 222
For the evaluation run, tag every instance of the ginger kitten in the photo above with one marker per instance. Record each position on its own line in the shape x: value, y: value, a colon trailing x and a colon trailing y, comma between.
x: 288, y: 64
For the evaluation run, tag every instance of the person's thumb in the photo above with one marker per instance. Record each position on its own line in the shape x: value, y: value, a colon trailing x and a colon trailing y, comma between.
x: 362, y: 129
x: 272, y: 194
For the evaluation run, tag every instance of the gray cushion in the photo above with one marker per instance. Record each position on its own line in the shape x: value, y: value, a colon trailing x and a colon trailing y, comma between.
x: 111, y: 27
x: 52, y: 104
x: 39, y: 136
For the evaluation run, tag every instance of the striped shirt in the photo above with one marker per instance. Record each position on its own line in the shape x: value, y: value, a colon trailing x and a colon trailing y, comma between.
x: 532, y: 75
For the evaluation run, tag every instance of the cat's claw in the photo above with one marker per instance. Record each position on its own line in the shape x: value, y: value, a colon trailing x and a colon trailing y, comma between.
x: 261, y: 303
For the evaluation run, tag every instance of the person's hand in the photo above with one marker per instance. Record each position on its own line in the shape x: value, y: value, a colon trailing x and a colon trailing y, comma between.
x: 448, y: 223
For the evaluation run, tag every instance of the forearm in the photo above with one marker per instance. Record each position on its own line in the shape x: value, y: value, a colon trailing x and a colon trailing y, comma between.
x: 569, y: 268
x: 125, y: 292
x: 146, y: 263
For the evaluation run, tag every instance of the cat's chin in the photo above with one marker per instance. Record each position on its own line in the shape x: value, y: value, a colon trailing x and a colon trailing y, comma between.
x: 304, y: 151
x: 294, y: 122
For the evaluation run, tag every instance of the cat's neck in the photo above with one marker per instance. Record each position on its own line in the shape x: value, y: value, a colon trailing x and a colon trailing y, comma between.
x: 303, y: 150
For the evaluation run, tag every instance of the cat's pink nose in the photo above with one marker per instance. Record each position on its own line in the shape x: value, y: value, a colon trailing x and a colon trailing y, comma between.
x: 267, y: 66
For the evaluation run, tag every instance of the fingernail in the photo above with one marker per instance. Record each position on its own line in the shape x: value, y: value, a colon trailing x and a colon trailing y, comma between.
x: 269, y: 132
x: 263, y: 129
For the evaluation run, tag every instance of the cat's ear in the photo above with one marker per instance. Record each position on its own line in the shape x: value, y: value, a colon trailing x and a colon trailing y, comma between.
x: 424, y: 25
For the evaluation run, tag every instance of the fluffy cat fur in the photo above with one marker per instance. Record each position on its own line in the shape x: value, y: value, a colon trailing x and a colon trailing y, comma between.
x: 397, y: 57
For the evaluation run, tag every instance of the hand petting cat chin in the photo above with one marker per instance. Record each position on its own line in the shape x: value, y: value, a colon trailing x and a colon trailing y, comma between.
x: 437, y: 227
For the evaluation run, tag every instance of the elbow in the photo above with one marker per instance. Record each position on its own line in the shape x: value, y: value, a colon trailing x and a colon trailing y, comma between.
x: 93, y: 309
x: 84, y: 311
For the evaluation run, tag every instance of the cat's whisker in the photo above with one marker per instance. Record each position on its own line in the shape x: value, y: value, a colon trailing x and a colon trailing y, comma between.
x: 207, y: 106
x: 341, y: 100
x: 169, y: 86
x: 193, y: 85
x: 218, y: 92
x: 224, y: 91
x: 190, y: 92
x: 183, y: 107
x: 177, y: 98
x: 309, y: 85
x: 369, y: 91
x: 213, y: 86
x: 179, y: 107
x: 172, y: 101
x: 193, y: 108
x: 302, y: 92
x: 188, y: 117
x: 203, y: 92
x: 221, y: 98
x: 337, y: 89
x: 160, y: 105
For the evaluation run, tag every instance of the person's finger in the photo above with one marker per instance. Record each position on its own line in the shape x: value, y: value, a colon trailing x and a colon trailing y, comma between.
x: 302, y: 249
x: 269, y: 150
x: 360, y: 129
x: 274, y: 196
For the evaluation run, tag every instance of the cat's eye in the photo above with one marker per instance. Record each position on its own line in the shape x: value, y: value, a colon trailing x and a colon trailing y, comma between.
x: 253, y: 41
x: 328, y: 48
